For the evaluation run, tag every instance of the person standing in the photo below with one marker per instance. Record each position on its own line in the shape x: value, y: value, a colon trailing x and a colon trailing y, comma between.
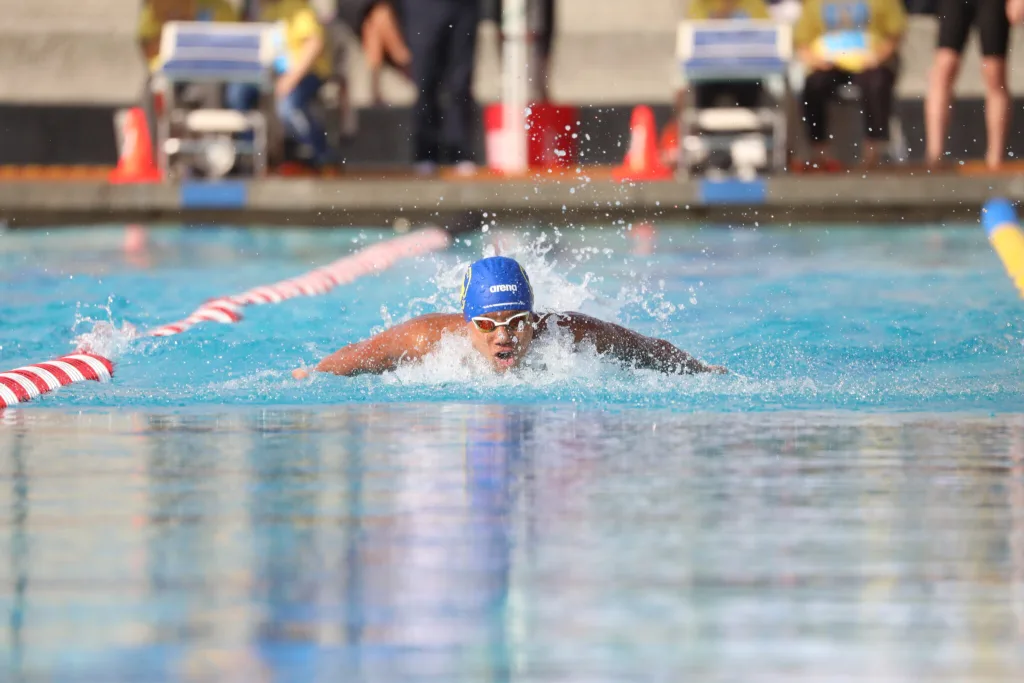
x: 441, y: 35
x: 992, y: 19
x: 436, y: 47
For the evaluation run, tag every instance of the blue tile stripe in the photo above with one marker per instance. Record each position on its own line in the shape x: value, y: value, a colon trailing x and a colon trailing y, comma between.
x: 733, y: 191
x: 225, y: 194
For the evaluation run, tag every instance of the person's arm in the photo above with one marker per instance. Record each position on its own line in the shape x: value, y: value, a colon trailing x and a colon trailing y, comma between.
x: 884, y: 51
x: 311, y: 50
x: 633, y: 347
x: 812, y: 60
x: 149, y: 33
x: 892, y: 23
x: 808, y: 29
x: 410, y: 340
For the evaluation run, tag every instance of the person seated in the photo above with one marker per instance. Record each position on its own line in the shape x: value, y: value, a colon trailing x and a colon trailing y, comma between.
x: 377, y: 25
x: 746, y: 94
x: 156, y: 13
x: 842, y: 42
x: 302, y: 67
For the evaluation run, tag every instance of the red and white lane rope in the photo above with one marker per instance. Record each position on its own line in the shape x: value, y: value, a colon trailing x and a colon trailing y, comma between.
x: 24, y: 384
x: 375, y: 257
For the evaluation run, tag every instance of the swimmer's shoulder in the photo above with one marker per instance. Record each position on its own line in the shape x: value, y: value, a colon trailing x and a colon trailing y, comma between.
x: 437, y: 322
x: 407, y: 340
x: 421, y: 333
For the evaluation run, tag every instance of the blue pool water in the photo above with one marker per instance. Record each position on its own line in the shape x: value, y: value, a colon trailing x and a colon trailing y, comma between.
x: 847, y: 505
x: 896, y: 320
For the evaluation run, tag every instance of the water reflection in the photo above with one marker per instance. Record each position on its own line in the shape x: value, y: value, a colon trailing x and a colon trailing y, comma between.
x: 499, y: 543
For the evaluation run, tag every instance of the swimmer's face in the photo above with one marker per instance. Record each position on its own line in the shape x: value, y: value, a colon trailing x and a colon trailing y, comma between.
x: 506, y: 345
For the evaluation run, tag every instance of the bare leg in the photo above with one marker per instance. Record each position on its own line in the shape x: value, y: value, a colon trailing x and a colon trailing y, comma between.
x: 945, y: 68
x: 997, y: 109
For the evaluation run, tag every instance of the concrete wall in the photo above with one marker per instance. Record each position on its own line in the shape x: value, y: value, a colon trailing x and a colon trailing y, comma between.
x: 606, y: 52
x: 66, y: 65
x: 69, y: 52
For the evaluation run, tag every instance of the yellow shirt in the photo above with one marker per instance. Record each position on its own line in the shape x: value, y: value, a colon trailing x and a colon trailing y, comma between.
x: 156, y: 13
x: 700, y: 10
x: 301, y: 24
x: 878, y: 19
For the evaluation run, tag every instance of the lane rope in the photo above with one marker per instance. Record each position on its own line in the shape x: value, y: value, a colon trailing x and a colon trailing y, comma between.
x: 26, y: 383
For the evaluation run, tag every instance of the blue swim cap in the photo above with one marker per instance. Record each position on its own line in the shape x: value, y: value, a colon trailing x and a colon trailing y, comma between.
x: 493, y: 284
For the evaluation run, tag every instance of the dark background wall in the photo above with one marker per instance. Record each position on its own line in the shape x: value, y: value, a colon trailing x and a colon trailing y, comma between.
x: 66, y: 135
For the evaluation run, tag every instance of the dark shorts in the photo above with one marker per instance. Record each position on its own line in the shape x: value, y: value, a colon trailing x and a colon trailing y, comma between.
x: 957, y: 16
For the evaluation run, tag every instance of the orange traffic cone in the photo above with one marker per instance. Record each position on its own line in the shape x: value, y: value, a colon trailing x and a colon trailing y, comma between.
x: 642, y: 161
x: 135, y: 164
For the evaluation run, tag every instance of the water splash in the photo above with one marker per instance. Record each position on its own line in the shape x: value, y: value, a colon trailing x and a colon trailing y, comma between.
x: 555, y: 366
x: 106, y: 339
x: 103, y: 337
x: 558, y: 285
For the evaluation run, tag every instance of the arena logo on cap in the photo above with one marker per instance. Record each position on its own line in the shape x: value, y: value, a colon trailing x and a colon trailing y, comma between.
x: 503, y: 288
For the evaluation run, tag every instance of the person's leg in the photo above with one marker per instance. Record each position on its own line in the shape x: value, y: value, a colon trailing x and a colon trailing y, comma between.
x: 457, y: 130
x: 997, y: 109
x: 299, y: 123
x: 545, y: 40
x: 424, y: 26
x: 955, y: 17
x: 876, y: 87
x: 994, y: 30
x: 819, y: 87
x: 241, y: 96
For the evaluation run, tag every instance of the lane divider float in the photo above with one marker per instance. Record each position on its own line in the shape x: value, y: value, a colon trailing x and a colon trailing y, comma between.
x: 376, y: 257
x: 999, y: 219
x: 25, y: 383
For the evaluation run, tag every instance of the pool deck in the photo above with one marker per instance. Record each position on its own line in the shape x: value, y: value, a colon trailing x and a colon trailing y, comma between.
x: 370, y: 198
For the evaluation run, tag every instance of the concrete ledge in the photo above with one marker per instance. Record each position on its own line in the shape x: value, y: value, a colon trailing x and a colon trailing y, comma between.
x: 881, y: 198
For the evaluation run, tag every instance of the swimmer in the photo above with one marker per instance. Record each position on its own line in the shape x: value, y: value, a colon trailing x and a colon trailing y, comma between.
x: 498, y: 317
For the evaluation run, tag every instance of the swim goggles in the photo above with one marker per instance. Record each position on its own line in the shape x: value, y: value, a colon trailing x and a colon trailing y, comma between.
x: 515, y: 324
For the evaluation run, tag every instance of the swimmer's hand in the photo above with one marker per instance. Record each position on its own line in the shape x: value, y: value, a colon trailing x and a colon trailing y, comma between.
x: 718, y: 369
x: 300, y: 373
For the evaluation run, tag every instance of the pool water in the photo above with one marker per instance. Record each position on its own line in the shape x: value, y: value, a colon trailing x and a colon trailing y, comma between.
x: 847, y: 504
x: 883, y: 319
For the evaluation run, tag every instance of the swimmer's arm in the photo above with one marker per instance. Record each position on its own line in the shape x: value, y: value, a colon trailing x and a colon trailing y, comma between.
x: 381, y: 353
x: 633, y: 347
x: 373, y: 356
